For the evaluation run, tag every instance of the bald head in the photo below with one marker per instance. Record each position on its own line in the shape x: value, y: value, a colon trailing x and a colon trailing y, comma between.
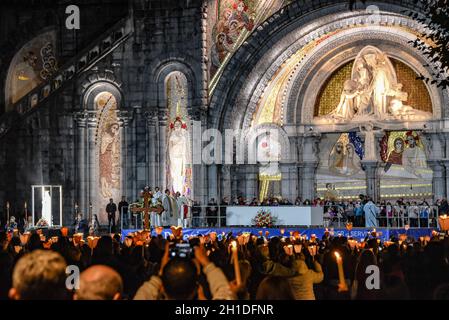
x: 99, y: 283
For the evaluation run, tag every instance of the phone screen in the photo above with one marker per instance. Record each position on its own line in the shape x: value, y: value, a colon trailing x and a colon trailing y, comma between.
x: 181, y: 250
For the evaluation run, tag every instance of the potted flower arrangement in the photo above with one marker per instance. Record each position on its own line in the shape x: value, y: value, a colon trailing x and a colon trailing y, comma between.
x: 42, y: 223
x: 264, y: 219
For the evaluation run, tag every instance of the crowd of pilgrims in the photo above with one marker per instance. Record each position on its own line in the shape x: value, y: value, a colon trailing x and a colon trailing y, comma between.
x: 146, y: 266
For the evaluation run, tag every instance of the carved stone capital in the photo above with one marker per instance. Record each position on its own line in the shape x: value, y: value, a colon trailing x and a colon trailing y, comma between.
x: 81, y: 118
x: 124, y: 117
x: 151, y: 116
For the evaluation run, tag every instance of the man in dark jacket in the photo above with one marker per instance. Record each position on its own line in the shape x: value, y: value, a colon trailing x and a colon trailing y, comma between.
x: 123, y: 211
x: 111, y: 209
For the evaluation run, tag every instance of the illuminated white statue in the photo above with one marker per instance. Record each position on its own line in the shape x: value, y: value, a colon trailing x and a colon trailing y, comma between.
x: 46, y: 207
x: 178, y: 155
x: 373, y: 93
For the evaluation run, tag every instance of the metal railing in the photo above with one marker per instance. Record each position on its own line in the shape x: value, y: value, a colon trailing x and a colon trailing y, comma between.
x: 215, y: 216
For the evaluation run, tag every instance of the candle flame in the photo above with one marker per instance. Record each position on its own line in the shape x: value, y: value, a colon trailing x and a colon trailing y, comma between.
x: 337, y: 255
x: 234, y: 244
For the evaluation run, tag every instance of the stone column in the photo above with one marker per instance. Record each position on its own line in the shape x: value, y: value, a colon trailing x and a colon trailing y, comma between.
x: 445, y: 177
x: 132, y: 157
x: 372, y: 179
x: 437, y: 160
x: 289, y: 183
x: 199, y: 169
x: 152, y: 150
x: 212, y: 183
x: 161, y: 128
x: 308, y: 180
x: 371, y: 163
x: 308, y: 167
x: 438, y: 179
x: 93, y: 166
x: 81, y: 166
x: 225, y: 190
x: 251, y: 177
x: 234, y: 182
x: 124, y: 118
x: 240, y: 176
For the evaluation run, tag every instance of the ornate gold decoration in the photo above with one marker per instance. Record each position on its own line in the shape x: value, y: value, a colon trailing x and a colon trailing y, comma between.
x: 265, y: 184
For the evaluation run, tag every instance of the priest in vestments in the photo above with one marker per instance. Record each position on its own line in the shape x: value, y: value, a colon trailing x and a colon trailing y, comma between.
x: 171, y: 214
x: 371, y: 214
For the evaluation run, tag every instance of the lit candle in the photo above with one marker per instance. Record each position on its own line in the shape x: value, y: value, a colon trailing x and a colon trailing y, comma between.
x: 64, y: 231
x: 235, y: 258
x: 312, y: 250
x: 7, y: 212
x: 444, y: 223
x: 282, y: 232
x: 341, y: 275
x: 26, y: 214
x: 92, y: 243
x: 349, y: 227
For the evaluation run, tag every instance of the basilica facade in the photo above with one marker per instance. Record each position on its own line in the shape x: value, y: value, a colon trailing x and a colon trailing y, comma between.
x: 219, y: 98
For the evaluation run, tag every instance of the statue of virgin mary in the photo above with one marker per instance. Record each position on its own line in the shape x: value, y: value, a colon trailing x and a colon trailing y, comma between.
x: 46, y: 207
x: 178, y: 152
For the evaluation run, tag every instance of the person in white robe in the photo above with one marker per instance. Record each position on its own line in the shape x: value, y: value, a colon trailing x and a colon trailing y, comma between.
x: 371, y: 214
x: 171, y: 213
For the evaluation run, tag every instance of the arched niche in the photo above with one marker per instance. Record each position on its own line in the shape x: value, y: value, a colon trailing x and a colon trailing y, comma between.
x: 31, y: 66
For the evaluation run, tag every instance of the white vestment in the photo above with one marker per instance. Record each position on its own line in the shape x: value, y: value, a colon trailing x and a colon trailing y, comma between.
x: 171, y: 214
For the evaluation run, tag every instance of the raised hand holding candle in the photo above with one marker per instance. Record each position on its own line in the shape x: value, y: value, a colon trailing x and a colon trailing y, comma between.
x: 64, y: 231
x: 349, y: 226
x: 235, y: 258
x: 342, y: 287
x: 312, y: 250
x: 444, y: 223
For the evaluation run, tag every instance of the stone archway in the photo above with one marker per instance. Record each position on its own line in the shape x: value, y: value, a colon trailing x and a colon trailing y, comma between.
x: 311, y: 45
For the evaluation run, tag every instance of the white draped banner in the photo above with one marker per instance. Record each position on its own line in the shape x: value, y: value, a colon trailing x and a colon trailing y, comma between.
x: 287, y: 216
